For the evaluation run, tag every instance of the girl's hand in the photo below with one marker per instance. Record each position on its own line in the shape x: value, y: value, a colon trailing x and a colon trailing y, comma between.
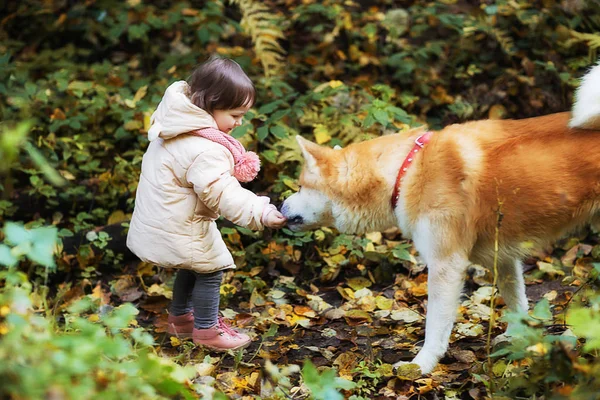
x: 272, y: 218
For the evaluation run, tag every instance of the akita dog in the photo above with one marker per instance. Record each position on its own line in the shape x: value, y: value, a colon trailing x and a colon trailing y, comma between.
x: 444, y: 190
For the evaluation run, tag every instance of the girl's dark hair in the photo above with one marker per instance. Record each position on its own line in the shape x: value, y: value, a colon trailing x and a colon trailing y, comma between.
x: 220, y: 84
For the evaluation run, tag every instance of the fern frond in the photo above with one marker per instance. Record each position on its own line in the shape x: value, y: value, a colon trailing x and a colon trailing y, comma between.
x: 482, y: 24
x: 506, y: 42
x: 592, y: 40
x: 263, y: 26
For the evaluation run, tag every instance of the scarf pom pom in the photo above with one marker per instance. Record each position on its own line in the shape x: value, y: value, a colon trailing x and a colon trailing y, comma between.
x: 247, y: 167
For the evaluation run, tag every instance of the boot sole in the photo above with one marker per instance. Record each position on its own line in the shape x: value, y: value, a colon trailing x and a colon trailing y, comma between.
x: 218, y: 349
x: 179, y: 335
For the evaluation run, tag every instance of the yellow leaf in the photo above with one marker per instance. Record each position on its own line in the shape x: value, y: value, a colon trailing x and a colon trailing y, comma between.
x: 141, y: 92
x: 132, y: 125
x: 94, y: 318
x: 321, y: 134
x: 335, y: 84
x: 157, y: 290
x: 291, y: 183
x: 66, y: 174
x: 346, y: 293
x: 175, y: 341
x: 227, y: 289
x: 145, y: 269
x: 538, y: 349
x: 359, y: 282
x: 98, y: 294
x: 497, y: 111
x: 375, y: 237
x: 346, y: 363
x: 294, y: 320
x: 4, y: 311
x: 116, y: 217
x: 355, y: 317
x: 408, y: 371
x: 499, y: 368
x: 366, y: 303
x: 147, y: 119
x: 383, y: 303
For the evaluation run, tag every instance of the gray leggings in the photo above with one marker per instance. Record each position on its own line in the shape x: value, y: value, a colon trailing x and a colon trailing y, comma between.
x: 197, y: 292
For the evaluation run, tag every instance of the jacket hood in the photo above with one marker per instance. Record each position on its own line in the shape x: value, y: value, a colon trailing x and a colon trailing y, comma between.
x: 176, y: 114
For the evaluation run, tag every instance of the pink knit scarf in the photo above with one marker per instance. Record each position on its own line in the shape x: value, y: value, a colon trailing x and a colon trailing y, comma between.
x: 247, y: 163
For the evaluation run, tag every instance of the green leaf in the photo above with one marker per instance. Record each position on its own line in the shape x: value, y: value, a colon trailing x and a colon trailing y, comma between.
x: 262, y: 132
x: 16, y: 234
x: 382, y: 117
x: 279, y: 131
x: 542, y: 311
x: 586, y: 323
x: 241, y: 130
x: 269, y: 107
x: 6, y: 258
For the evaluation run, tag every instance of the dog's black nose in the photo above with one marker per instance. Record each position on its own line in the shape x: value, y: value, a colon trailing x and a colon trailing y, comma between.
x: 295, y: 220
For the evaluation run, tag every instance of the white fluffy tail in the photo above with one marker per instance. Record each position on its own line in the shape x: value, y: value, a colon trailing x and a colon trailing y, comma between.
x: 586, y: 110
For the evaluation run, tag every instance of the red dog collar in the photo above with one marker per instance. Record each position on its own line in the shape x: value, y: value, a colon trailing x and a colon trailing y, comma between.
x: 420, y: 142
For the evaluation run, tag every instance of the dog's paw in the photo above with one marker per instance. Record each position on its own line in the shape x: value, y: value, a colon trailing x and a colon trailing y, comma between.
x: 407, y: 370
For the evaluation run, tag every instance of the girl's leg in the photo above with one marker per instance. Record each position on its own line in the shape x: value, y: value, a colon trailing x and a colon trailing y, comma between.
x: 209, y: 330
x: 182, y: 292
x: 205, y: 298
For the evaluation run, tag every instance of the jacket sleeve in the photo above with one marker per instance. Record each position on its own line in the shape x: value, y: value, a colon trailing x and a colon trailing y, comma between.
x: 210, y: 175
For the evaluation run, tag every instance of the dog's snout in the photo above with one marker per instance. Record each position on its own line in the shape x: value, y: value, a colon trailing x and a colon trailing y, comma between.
x: 295, y: 220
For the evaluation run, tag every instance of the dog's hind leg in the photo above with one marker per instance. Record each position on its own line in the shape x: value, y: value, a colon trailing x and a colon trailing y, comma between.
x: 512, y: 284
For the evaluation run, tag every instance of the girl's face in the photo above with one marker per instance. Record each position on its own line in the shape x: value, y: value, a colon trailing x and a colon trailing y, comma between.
x: 229, y: 119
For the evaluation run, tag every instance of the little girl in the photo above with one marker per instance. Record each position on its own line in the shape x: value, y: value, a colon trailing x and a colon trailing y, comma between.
x: 190, y: 176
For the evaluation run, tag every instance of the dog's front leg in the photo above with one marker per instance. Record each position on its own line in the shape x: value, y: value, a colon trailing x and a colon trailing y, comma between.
x: 445, y: 283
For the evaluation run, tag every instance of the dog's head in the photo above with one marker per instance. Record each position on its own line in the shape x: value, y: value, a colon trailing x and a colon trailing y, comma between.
x: 341, y: 188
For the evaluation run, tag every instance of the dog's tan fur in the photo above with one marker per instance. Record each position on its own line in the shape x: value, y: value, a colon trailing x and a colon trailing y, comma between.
x: 542, y: 174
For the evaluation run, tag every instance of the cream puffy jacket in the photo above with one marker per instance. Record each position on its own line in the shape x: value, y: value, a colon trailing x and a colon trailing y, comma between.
x: 186, y: 183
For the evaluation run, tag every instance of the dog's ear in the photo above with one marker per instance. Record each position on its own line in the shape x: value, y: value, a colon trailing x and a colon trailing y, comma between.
x: 311, y: 152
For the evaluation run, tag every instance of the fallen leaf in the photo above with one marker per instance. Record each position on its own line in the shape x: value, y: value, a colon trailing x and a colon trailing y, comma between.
x: 405, y: 315
x: 358, y: 283
x: 408, y: 371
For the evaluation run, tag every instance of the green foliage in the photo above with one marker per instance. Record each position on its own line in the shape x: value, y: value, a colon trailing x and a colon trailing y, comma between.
x: 538, y: 360
x: 325, y: 385
x: 101, y: 355
x: 79, y: 81
x: 265, y: 29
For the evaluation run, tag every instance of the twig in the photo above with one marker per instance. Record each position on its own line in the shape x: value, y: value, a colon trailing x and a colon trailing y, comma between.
x: 499, y: 217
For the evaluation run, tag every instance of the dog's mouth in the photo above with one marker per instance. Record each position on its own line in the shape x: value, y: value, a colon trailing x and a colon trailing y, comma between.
x: 295, y: 222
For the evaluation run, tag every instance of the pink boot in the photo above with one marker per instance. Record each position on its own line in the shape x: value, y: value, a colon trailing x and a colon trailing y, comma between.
x: 181, y: 326
x: 221, y: 337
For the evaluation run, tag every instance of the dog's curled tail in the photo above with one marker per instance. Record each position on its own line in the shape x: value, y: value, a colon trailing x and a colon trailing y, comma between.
x: 586, y: 110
